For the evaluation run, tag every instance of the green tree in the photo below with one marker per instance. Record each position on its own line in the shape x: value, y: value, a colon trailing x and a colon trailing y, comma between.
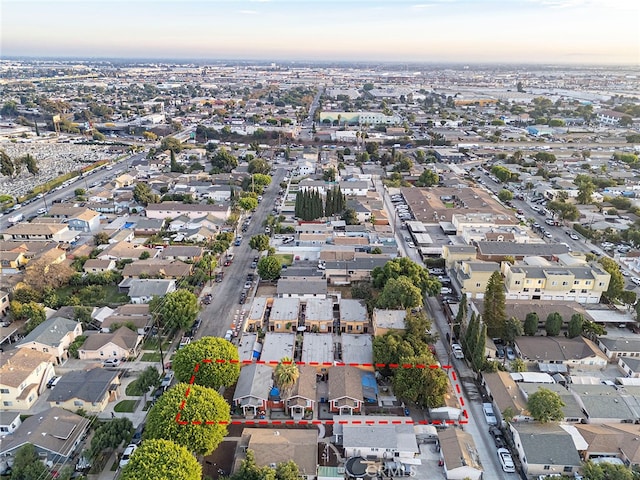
x: 531, y: 324
x: 172, y: 144
x: 461, y: 316
x: 259, y: 242
x: 350, y: 217
x: 202, y: 420
x: 217, y: 361
x: 425, y: 386
x: 223, y: 161
x: 494, y: 313
x: 606, y: 471
x: 6, y: 165
x: 574, y: 328
x: 586, y: 188
x: 162, y: 459
x: 286, y: 374
x: 404, y: 266
x: 150, y: 377
x: 518, y: 365
x: 616, y: 283
x: 174, y: 165
x: 553, y: 325
x: 142, y: 194
x: 177, y: 309
x: 258, y: 165
x: 505, y: 195
x: 512, y: 330
x: 32, y: 312
x: 399, y: 293
x: 545, y: 406
x: 101, y: 238
x: 269, y: 268
x: 501, y: 173
x: 478, y: 357
x: 145, y: 255
x: 30, y: 163
x: 248, y: 203
x: 110, y: 434
x: 428, y: 178
x: 628, y: 297
x: 28, y: 466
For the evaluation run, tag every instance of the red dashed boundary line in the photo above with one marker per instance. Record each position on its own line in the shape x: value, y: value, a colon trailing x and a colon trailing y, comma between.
x: 448, y: 368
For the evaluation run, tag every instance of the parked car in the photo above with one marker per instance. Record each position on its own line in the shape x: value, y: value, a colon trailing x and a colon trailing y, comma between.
x: 635, y: 280
x: 489, y: 416
x: 53, y: 382
x: 456, y: 349
x: 500, y: 351
x: 498, y: 438
x: 511, y: 354
x: 445, y: 291
x: 111, y: 362
x: 126, y: 455
x: 506, y: 461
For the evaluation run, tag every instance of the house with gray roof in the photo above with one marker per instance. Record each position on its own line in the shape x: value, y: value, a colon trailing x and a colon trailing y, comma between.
x: 53, y: 336
x: 380, y: 437
x: 277, y: 346
x: 142, y: 290
x: 90, y: 390
x: 572, y: 409
x: 343, y: 272
x: 617, y: 347
x: 55, y: 433
x: 607, y: 404
x: 317, y: 348
x: 252, y: 390
x: 630, y: 366
x: 545, y: 448
x: 302, y: 287
x: 496, y: 251
x: 572, y: 352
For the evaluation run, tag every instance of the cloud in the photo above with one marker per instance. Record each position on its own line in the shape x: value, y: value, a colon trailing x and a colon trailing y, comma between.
x: 248, y: 12
x: 422, y: 6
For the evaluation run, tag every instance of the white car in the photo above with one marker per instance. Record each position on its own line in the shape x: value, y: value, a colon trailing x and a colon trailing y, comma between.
x: 456, y: 349
x: 445, y: 291
x: 111, y: 362
x: 506, y: 461
x: 490, y: 417
x: 126, y: 455
x: 635, y: 280
x: 573, y: 236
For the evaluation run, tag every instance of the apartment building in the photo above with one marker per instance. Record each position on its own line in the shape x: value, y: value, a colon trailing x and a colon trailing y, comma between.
x: 546, y: 281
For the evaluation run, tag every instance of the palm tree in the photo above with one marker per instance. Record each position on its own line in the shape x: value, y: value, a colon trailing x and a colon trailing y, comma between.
x: 286, y: 374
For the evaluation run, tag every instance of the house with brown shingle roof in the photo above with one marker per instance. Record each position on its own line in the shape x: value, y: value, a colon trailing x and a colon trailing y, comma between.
x: 345, y: 390
x: 302, y: 397
x: 612, y: 440
x: 157, y: 268
x: 95, y: 265
x: 125, y: 251
x: 24, y: 374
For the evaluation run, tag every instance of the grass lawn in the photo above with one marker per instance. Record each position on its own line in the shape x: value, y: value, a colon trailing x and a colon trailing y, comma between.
x: 151, y: 357
x: 125, y: 406
x: 109, y: 295
x: 152, y: 344
x: 284, y: 258
x: 131, y: 389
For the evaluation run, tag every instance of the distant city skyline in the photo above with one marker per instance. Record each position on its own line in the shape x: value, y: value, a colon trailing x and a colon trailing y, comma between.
x: 602, y: 32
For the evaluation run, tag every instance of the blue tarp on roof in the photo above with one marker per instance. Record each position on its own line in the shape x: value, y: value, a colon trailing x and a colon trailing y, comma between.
x: 369, y: 387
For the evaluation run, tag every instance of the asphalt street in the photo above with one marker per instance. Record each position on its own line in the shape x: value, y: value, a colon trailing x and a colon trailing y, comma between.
x: 218, y: 316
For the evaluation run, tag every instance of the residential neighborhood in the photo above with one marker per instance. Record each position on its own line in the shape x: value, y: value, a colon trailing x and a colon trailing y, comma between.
x: 332, y: 272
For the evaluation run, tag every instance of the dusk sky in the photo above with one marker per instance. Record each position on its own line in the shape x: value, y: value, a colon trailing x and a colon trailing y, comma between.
x: 468, y: 31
